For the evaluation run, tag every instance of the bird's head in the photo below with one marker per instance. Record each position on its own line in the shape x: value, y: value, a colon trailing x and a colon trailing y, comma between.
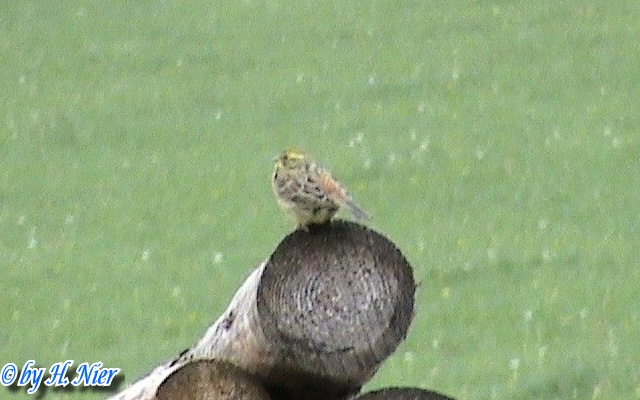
x: 291, y: 159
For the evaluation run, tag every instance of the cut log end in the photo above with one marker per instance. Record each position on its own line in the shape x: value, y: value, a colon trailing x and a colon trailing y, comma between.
x: 339, y: 298
x: 403, y: 394
x: 209, y: 380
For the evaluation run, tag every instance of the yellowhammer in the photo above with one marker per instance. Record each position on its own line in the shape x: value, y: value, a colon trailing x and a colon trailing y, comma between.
x: 309, y: 192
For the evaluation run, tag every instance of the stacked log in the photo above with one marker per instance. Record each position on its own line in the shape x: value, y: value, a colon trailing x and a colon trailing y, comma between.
x: 314, y: 321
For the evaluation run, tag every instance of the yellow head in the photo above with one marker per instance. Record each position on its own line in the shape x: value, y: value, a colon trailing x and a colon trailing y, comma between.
x: 291, y: 159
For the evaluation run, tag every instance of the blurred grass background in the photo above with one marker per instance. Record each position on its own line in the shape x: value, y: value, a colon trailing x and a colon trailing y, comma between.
x: 496, y: 143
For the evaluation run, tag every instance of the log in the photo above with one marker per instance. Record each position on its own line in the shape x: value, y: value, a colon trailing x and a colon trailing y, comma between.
x: 315, y: 320
x: 206, y: 379
x: 403, y: 394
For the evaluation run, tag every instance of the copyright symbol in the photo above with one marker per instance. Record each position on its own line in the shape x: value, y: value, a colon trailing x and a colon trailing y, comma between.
x: 8, y: 374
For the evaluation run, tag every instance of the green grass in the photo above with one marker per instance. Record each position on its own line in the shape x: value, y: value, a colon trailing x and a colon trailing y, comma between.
x: 497, y: 144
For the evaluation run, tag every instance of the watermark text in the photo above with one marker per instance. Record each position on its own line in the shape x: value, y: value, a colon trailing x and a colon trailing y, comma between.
x: 59, y: 374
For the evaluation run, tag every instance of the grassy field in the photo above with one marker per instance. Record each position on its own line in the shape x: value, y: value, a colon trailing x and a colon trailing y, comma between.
x: 496, y: 143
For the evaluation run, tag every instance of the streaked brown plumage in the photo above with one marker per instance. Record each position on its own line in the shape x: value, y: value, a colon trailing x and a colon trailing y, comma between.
x: 309, y: 192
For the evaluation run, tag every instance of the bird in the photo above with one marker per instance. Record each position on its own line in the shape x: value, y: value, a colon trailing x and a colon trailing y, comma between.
x: 308, y: 192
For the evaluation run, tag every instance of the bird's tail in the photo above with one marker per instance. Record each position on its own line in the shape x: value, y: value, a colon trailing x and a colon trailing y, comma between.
x: 357, y: 211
